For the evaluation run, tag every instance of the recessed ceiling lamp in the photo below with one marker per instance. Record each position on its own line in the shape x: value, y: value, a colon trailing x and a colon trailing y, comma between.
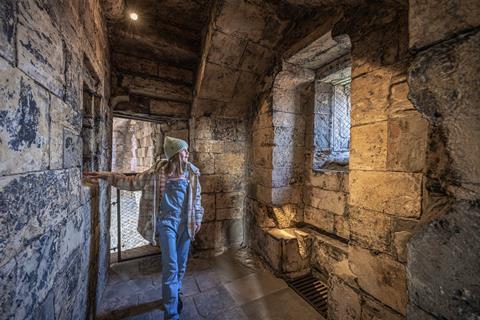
x: 134, y: 16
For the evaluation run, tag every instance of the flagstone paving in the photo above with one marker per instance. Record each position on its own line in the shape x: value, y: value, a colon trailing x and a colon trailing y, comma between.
x: 233, y: 286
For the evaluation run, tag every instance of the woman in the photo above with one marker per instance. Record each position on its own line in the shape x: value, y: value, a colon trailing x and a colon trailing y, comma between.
x: 170, y: 210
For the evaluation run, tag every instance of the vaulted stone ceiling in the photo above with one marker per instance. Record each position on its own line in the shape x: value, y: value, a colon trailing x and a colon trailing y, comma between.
x: 168, y: 30
x: 154, y: 58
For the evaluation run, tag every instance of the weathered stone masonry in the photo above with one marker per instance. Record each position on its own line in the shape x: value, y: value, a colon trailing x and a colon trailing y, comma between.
x: 249, y: 83
x: 45, y: 213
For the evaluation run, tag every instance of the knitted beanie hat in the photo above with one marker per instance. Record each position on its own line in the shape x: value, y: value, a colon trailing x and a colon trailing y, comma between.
x: 172, y: 146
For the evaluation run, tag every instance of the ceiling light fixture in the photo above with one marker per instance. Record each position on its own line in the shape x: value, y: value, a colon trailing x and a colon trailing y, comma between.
x: 134, y: 16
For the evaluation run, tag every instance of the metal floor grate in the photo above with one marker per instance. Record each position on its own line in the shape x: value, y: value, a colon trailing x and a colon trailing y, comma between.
x: 313, y: 291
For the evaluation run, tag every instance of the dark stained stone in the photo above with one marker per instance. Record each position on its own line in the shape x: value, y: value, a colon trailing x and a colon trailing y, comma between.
x: 35, y: 264
x: 8, y: 13
x: 46, y: 310
x: 40, y: 45
x: 438, y: 283
x: 72, y: 149
x: 23, y: 122
x: 67, y: 285
x: 32, y: 203
x: 443, y: 83
x: 8, y: 281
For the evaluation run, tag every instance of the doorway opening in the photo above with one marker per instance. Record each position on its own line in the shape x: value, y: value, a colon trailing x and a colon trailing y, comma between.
x: 136, y: 146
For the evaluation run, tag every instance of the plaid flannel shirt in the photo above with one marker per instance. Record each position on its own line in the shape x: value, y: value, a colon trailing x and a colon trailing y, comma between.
x: 152, y: 184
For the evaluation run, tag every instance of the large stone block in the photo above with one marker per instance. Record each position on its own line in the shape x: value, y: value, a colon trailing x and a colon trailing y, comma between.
x: 208, y: 203
x: 285, y: 101
x: 262, y: 156
x: 283, y: 195
x: 327, y: 180
x: 287, y: 250
x: 368, y: 146
x: 225, y: 129
x: 414, y: 312
x: 65, y: 141
x: 40, y: 45
x: 158, y: 88
x: 73, y: 78
x: 243, y: 20
x: 381, y: 47
x: 229, y: 213
x: 331, y: 201
x: 369, y: 97
x: 8, y: 286
x: 209, y: 183
x: 443, y: 264
x: 169, y: 108
x: 399, y: 103
x: 32, y: 203
x: 407, y: 143
x: 36, y: 264
x: 230, y: 200
x: 209, y: 146
x: 230, y: 163
x: 235, y: 147
x: 244, y: 95
x: 23, y: 122
x: 230, y: 183
x: 204, y: 128
x: 372, y: 310
x: 256, y: 58
x: 442, y: 83
x: 232, y: 232
x: 263, y: 137
x: 342, y: 226
x: 210, y: 236
x: 205, y: 162
x: 380, y: 276
x: 370, y: 229
x: 395, y: 193
x: 434, y: 21
x: 226, y: 49
x: 219, y: 82
x: 320, y: 218
x: 133, y: 64
x: 288, y: 156
x: 286, y: 176
x: 343, y: 302
x: 8, y: 16
x: 287, y: 136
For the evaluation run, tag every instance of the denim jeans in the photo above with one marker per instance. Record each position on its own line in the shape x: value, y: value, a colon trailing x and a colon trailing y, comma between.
x: 174, y: 242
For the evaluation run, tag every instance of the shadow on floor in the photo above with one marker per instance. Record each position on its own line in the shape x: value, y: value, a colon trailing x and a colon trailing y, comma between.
x: 231, y: 286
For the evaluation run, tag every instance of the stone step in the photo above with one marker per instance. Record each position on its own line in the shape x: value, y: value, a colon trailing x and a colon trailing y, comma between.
x: 286, y: 250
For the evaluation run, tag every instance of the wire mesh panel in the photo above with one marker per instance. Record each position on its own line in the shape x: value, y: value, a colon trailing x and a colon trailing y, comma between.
x: 129, y: 211
x: 341, y: 118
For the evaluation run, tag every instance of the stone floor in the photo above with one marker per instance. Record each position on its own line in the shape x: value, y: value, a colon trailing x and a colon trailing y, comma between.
x: 233, y: 286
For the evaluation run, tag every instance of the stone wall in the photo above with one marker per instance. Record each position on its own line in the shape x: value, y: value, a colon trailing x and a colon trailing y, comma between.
x: 443, y: 79
x: 351, y: 226
x: 237, y: 51
x: 387, y: 162
x: 47, y: 250
x: 219, y: 152
x: 138, y: 144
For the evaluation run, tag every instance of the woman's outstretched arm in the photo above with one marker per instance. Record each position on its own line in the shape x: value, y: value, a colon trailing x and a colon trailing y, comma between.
x: 121, y: 181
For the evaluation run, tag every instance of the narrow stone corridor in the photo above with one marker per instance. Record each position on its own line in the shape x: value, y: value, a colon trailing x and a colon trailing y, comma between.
x: 234, y: 286
x: 337, y: 139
